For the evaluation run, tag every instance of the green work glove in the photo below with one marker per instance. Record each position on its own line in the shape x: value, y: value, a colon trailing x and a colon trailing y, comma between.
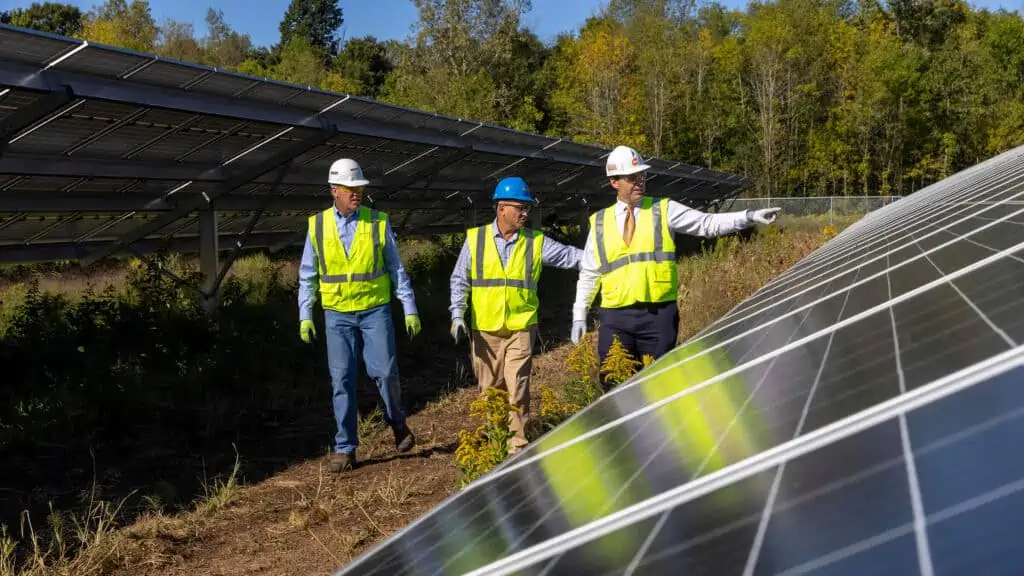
x: 307, y: 331
x: 412, y: 325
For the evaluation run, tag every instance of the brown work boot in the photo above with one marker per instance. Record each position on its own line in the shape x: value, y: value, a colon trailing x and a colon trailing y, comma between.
x: 341, y: 462
x: 515, y: 444
x: 404, y: 440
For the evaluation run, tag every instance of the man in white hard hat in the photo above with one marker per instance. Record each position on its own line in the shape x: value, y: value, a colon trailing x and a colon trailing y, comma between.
x: 630, y: 256
x: 351, y: 261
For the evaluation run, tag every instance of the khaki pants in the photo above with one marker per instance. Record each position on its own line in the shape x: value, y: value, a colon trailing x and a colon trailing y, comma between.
x: 504, y: 360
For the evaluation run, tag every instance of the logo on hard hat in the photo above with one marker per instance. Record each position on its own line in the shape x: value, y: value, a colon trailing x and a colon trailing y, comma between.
x: 636, y: 160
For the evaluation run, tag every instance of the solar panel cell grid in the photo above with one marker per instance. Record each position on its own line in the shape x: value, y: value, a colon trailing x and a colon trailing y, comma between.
x: 39, y: 50
x: 898, y: 257
x: 102, y: 62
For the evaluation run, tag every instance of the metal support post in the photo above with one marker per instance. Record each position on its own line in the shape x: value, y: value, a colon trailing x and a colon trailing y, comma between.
x: 208, y: 260
x: 253, y: 220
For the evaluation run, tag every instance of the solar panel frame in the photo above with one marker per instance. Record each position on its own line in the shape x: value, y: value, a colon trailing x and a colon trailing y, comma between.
x: 150, y: 118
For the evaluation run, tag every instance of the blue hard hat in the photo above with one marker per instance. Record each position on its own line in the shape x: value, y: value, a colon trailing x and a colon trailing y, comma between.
x: 512, y: 188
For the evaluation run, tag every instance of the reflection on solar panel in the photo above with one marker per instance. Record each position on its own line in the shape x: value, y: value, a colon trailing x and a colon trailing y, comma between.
x: 101, y: 148
x: 856, y: 415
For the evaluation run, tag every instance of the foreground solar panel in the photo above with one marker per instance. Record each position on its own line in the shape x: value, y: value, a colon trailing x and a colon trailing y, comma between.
x: 103, y: 148
x: 858, y: 415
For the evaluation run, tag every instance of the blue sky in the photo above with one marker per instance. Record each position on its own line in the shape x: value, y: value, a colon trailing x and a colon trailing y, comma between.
x: 384, y: 19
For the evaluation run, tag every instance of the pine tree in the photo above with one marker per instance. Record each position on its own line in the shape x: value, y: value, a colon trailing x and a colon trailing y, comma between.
x: 316, y: 21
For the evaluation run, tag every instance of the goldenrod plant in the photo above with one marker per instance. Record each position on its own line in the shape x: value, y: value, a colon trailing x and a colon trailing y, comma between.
x: 574, y: 394
x: 582, y: 361
x: 487, y: 446
x: 619, y: 365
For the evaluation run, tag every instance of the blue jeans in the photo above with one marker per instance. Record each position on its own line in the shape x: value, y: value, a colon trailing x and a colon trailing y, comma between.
x: 373, y: 331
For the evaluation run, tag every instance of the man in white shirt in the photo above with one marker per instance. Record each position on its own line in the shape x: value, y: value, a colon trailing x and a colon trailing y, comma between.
x: 630, y: 257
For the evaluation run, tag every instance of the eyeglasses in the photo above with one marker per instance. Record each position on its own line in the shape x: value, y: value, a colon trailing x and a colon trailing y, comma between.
x: 521, y: 208
x: 355, y: 190
x: 637, y: 178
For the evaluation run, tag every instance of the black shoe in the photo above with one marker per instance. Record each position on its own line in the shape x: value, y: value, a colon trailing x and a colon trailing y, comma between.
x: 341, y: 462
x: 404, y: 440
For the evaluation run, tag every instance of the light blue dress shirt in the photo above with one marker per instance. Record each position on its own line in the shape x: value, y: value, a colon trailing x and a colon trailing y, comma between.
x: 553, y: 253
x: 309, y: 287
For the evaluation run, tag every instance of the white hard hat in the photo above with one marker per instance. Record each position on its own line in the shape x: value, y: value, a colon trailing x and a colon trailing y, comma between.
x: 347, y: 172
x: 624, y: 160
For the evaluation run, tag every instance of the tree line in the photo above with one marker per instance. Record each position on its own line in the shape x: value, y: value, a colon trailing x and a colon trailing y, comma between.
x: 811, y: 97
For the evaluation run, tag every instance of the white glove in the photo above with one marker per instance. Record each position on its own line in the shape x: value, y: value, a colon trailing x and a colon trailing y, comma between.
x: 457, y: 325
x: 764, y: 215
x: 579, y: 328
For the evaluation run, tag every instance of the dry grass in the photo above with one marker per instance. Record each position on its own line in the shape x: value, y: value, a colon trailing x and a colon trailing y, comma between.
x: 712, y: 283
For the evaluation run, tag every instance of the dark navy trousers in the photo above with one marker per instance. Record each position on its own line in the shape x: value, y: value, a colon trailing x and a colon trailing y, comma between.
x: 642, y: 328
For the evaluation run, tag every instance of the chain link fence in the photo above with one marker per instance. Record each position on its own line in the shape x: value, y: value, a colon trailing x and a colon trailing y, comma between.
x: 831, y: 207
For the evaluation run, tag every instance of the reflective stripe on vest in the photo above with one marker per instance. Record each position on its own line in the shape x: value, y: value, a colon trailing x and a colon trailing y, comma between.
x: 503, y: 296
x: 357, y: 281
x: 645, y: 271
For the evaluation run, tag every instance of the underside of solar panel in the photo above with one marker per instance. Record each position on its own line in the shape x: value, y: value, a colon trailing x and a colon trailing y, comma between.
x: 859, y: 414
x: 102, y: 149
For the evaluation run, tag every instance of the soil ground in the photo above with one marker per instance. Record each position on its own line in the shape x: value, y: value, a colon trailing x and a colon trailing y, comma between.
x: 307, y: 521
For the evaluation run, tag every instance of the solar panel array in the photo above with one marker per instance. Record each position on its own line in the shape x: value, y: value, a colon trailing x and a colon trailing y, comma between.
x: 857, y: 415
x: 99, y: 144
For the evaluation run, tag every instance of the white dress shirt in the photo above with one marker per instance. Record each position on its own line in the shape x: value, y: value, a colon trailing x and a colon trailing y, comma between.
x: 681, y: 219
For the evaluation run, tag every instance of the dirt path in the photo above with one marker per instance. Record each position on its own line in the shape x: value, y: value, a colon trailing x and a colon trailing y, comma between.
x: 308, y: 521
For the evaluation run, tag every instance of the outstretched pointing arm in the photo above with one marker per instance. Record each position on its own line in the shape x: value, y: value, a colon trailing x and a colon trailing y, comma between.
x: 686, y: 220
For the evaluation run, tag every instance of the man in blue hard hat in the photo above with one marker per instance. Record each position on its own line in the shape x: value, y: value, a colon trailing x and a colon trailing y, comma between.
x: 499, y: 269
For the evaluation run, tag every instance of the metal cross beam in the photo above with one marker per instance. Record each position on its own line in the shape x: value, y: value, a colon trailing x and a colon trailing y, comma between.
x: 69, y: 167
x: 50, y: 203
x: 20, y: 253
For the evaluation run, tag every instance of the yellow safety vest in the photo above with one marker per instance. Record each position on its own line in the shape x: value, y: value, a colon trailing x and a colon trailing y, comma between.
x: 503, y: 297
x: 357, y: 281
x: 644, y: 271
